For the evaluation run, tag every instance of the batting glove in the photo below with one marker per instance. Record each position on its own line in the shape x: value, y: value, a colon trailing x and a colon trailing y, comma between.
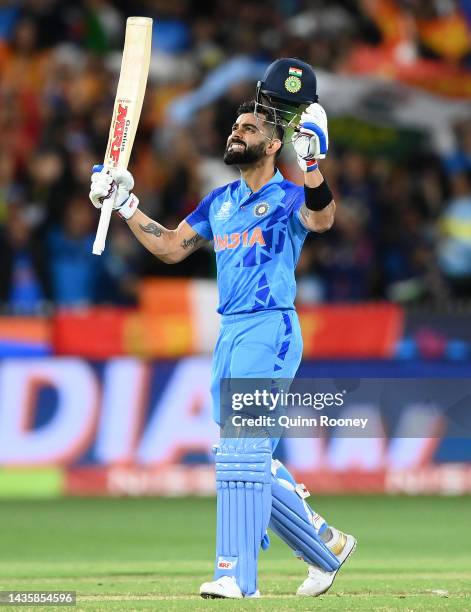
x: 312, y: 140
x: 117, y: 184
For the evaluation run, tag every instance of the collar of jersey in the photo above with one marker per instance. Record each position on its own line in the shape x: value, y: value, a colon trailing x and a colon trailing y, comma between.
x: 245, y: 191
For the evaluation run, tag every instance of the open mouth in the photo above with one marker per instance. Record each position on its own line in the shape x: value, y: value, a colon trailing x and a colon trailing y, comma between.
x: 237, y: 146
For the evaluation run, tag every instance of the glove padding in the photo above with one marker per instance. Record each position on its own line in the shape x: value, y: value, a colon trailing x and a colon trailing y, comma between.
x: 312, y: 140
x: 105, y: 182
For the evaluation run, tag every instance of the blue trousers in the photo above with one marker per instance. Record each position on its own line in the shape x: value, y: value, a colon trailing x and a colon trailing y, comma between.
x: 251, y: 496
x: 266, y: 344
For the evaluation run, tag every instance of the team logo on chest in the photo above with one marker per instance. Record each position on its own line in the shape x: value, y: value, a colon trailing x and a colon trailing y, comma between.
x: 224, y: 212
x: 261, y: 209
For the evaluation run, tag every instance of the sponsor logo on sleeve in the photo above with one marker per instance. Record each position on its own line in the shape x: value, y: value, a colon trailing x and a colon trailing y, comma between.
x: 224, y: 212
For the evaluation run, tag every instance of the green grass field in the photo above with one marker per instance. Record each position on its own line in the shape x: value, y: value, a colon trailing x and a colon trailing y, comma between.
x: 152, y: 554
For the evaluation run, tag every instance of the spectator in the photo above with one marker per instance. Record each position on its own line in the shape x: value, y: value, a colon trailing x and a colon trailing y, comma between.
x: 58, y: 64
x: 454, y: 246
x: 460, y: 160
x: 24, y: 279
x: 347, y: 263
x: 75, y: 272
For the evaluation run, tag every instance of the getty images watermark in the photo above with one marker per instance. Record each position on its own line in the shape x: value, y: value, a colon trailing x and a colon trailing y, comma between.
x: 367, y: 407
x: 273, y: 401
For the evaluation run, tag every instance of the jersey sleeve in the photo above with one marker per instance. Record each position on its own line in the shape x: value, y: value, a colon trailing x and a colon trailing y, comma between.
x: 295, y: 216
x: 199, y: 218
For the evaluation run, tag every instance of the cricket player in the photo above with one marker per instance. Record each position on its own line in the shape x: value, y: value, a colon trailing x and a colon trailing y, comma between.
x: 257, y: 225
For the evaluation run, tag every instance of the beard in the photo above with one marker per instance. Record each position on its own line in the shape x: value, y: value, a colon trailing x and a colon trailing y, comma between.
x: 248, y: 155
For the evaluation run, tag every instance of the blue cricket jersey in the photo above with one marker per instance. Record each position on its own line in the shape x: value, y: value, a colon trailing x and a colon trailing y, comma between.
x: 257, y: 239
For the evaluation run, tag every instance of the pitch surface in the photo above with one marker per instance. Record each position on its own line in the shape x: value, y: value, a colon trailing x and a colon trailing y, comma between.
x: 152, y: 554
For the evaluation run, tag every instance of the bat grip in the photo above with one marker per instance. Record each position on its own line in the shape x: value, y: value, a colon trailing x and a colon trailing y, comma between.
x: 103, y: 224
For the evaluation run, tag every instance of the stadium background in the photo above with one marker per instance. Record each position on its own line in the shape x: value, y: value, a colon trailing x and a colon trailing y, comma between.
x: 104, y: 362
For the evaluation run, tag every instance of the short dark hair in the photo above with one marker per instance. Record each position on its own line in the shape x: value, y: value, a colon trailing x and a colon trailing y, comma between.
x: 249, y: 107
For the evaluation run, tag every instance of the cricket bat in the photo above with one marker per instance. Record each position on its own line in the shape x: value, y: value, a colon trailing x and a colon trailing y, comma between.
x: 127, y: 110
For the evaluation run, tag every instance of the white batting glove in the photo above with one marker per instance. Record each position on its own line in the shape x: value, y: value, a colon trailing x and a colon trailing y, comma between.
x: 312, y: 140
x: 105, y: 182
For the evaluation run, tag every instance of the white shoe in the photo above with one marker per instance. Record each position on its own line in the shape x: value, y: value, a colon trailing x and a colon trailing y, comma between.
x: 225, y: 587
x: 318, y: 580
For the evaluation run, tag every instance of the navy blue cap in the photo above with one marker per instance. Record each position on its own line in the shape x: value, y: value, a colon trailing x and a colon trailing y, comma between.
x: 290, y: 81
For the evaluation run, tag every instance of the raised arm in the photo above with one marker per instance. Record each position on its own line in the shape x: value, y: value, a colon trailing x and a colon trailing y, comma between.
x: 317, y: 194
x: 171, y: 246
x: 311, y: 143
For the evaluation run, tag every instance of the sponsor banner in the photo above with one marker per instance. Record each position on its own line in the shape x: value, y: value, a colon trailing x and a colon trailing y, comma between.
x: 351, y: 331
x: 127, y: 426
x: 453, y: 479
x: 178, y: 318
x: 95, y: 333
x: 326, y: 481
x: 100, y: 333
x: 158, y: 335
x: 66, y: 411
x: 170, y: 480
x: 131, y: 412
x: 449, y: 479
x: 187, y: 308
x: 178, y: 480
x: 27, y: 336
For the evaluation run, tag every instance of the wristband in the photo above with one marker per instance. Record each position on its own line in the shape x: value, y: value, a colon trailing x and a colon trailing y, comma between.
x: 311, y: 165
x: 128, y: 207
x: 317, y: 198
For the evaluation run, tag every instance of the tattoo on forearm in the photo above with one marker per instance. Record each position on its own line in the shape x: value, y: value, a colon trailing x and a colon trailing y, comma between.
x: 152, y: 228
x: 187, y: 244
x: 305, y: 212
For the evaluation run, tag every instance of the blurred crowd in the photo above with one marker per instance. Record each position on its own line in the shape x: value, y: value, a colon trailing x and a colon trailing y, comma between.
x: 403, y: 228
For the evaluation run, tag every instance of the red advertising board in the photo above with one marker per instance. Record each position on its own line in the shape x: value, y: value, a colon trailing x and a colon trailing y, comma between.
x: 364, y: 331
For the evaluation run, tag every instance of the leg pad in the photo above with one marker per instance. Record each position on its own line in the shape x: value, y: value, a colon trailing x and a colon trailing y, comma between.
x: 243, y: 485
x: 293, y: 521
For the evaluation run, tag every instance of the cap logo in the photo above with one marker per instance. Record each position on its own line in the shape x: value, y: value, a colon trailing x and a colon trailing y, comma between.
x: 293, y: 84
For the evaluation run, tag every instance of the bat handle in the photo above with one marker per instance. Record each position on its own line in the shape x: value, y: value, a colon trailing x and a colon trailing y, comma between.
x: 103, y: 224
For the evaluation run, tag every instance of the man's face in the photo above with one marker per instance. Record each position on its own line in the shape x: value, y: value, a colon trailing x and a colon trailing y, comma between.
x: 247, y: 142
